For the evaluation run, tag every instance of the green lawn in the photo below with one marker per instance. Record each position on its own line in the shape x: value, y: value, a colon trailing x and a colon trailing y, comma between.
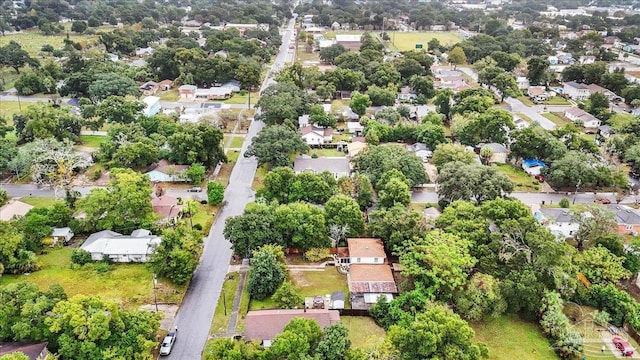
x: 525, y: 100
x: 509, y: 337
x: 38, y: 201
x: 171, y: 95
x: 204, y: 216
x: 220, y: 320
x: 404, y: 41
x: 363, y: 331
x: 237, y: 98
x: 92, y: 140
x: 310, y: 283
x: 233, y: 155
x: 127, y: 284
x: 32, y: 40
x: 237, y: 141
x: 8, y: 108
x: 302, y: 55
x: 244, y: 306
x: 525, y: 117
x: 557, y: 100
x: 261, y: 172
x: 327, y: 152
x: 521, y: 180
x: 559, y: 120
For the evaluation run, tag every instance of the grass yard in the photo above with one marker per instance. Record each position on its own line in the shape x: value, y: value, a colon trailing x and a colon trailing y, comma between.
x: 557, y: 119
x: 327, y: 152
x: 557, y: 100
x: 237, y: 141
x: 303, y: 56
x: 363, y: 331
x: 403, y: 41
x: 220, y: 320
x: 33, y: 40
x: 525, y: 100
x: 92, y: 140
x: 310, y: 283
x: 233, y: 155
x: 238, y: 98
x: 204, y: 217
x: 171, y: 95
x: 521, y: 180
x: 525, y: 117
x: 8, y: 108
x: 127, y: 284
x: 509, y: 336
x: 258, y: 179
x: 244, y: 306
x: 38, y: 201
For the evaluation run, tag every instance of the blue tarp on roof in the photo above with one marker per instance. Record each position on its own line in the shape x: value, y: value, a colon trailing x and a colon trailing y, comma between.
x: 533, y: 163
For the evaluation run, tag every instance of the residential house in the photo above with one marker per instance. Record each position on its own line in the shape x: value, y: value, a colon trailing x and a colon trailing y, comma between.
x: 593, y: 88
x: 164, y: 171
x: 37, y: 351
x: 136, y: 247
x: 355, y: 147
x: 149, y: 88
x: 369, y: 275
x: 420, y: 150
x: 587, y: 59
x: 213, y: 93
x: 165, y: 85
x: 151, y: 106
x: 610, y: 40
x: 14, y: 209
x: 63, y: 235
x: 431, y: 214
x: 355, y: 128
x: 578, y: 115
x: 520, y: 123
x: 303, y: 120
x: 553, y: 60
x: 498, y: 155
x: 140, y: 52
x: 335, y: 25
x: 533, y: 166
x: 576, y: 91
x: 627, y: 219
x: 349, y: 41
x: 265, y: 325
x: 566, y: 59
x: 522, y: 82
x: 605, y: 131
x: 559, y: 221
x: 631, y: 48
x: 337, y: 166
x: 316, y: 136
x: 187, y: 92
x: 438, y: 28
x: 406, y: 94
x: 166, y: 208
x: 537, y: 93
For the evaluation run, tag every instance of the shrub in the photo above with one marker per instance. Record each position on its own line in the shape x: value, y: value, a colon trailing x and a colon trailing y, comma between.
x: 102, y: 267
x: 287, y: 297
x: 564, y: 203
x: 601, y: 318
x: 215, y: 192
x: 317, y: 254
x: 314, y: 156
x: 96, y: 174
x: 80, y: 257
x: 3, y: 196
x: 197, y: 227
x: 47, y: 48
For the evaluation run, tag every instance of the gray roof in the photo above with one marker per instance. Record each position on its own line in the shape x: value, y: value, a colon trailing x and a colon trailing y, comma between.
x: 61, y: 231
x: 557, y: 215
x: 495, y: 147
x: 605, y: 128
x: 110, y: 243
x: 625, y: 214
x: 330, y: 164
x: 99, y: 235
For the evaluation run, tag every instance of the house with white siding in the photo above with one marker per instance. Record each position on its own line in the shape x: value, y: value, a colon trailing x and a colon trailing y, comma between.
x: 136, y: 247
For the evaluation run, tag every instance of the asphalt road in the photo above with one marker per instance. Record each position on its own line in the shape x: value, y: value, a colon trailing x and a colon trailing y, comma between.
x: 196, y: 313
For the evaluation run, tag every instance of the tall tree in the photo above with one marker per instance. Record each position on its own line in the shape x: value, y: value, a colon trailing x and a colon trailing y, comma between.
x: 377, y: 160
x: 458, y: 181
x: 267, y: 272
x: 359, y: 103
x: 457, y: 56
x: 275, y: 144
x: 344, y: 211
x: 177, y: 255
x: 537, y: 71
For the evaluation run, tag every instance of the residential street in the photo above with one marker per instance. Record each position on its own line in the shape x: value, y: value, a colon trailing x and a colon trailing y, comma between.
x: 516, y: 106
x: 195, y: 314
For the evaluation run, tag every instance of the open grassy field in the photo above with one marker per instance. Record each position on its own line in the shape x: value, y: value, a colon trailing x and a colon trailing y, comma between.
x: 363, y: 331
x: 521, y: 180
x: 38, y: 201
x: 327, y: 153
x: 92, y: 140
x: 557, y: 100
x: 311, y: 283
x: 509, y: 337
x: 237, y: 98
x: 8, y: 108
x: 557, y: 119
x: 33, y: 40
x: 127, y: 284
x: 237, y: 141
x: 403, y: 41
x: 171, y: 95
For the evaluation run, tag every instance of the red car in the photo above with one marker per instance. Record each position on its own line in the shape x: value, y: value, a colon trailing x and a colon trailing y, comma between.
x: 623, y: 346
x: 540, y: 178
x: 604, y: 201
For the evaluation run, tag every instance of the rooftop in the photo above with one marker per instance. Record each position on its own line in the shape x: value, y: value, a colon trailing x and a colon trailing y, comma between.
x: 110, y: 242
x: 266, y: 324
x: 365, y: 278
x: 14, y: 208
x: 33, y: 351
x: 366, y: 247
x: 330, y: 164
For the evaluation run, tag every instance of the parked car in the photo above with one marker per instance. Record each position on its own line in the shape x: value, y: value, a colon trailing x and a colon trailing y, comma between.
x: 292, y: 46
x: 604, y: 201
x: 539, y: 177
x: 623, y: 346
x: 194, y: 189
x: 167, y: 343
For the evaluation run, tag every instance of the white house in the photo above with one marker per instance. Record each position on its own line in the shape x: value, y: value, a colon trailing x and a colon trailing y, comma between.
x: 136, y: 247
x: 366, y: 251
x: 144, y: 51
x: 337, y: 166
x: 164, y: 171
x: 499, y: 152
x: 576, y: 91
x: 303, y: 120
x: 354, y: 127
x: 14, y: 209
x: 316, y: 136
x: 62, y: 234
x: 578, y: 115
x: 559, y: 221
x: 587, y: 59
x: 523, y: 82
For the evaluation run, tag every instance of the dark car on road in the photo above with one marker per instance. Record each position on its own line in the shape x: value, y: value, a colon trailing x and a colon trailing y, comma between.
x: 623, y: 346
x: 194, y: 189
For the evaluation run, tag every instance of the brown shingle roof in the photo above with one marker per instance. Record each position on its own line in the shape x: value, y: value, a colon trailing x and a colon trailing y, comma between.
x: 164, y: 165
x: 366, y: 247
x: 33, y: 351
x: 165, y: 206
x: 266, y: 324
x: 365, y: 278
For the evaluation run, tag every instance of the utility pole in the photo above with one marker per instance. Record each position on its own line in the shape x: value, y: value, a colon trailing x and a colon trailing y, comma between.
x: 155, y: 293
x: 224, y: 301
